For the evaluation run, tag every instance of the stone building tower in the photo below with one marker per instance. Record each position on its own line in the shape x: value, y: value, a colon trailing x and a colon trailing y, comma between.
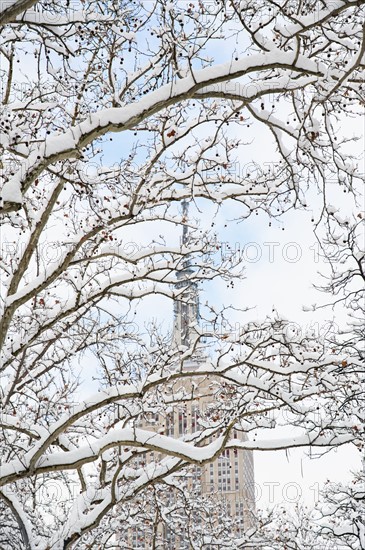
x: 230, y: 478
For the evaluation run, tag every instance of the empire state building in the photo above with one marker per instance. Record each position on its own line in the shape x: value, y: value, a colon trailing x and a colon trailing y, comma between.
x: 228, y: 480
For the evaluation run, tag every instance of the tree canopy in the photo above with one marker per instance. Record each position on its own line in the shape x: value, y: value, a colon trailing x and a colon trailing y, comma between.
x: 113, y: 113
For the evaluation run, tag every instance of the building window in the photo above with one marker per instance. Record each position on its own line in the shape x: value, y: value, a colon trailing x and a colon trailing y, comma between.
x: 170, y: 428
x: 183, y: 422
x: 194, y: 418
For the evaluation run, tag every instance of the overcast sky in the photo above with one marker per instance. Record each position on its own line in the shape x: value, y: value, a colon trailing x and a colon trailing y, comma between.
x: 282, y: 263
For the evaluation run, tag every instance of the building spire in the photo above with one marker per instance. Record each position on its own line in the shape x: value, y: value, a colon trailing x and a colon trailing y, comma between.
x: 186, y: 308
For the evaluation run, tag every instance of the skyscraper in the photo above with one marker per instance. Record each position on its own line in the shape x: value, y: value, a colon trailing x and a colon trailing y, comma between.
x: 229, y: 480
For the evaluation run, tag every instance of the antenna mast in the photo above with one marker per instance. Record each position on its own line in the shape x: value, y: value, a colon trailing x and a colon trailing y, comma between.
x: 186, y: 308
